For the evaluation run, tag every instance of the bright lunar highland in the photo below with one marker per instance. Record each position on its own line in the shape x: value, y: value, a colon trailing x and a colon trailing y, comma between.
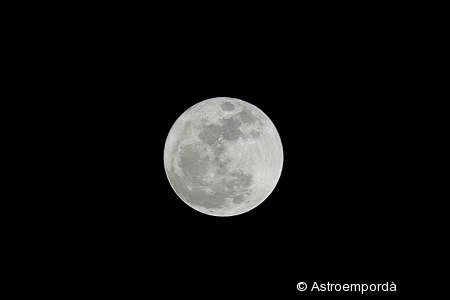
x: 223, y: 156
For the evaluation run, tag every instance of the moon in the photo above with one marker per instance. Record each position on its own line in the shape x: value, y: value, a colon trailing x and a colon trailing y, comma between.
x: 223, y: 156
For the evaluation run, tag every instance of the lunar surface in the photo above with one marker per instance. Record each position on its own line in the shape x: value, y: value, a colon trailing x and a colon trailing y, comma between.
x: 223, y: 156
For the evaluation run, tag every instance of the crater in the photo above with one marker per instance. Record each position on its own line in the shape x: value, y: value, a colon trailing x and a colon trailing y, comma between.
x: 227, y: 106
x: 218, y: 150
x: 199, y: 197
x: 255, y: 134
x: 241, y: 180
x: 238, y: 199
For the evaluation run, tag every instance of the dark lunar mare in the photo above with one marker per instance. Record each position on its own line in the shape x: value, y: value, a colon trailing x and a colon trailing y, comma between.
x: 230, y: 129
x: 227, y: 106
x: 233, y: 185
x: 209, y: 134
x: 246, y: 116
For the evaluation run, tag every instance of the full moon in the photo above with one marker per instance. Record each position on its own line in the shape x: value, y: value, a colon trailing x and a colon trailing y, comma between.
x: 223, y: 156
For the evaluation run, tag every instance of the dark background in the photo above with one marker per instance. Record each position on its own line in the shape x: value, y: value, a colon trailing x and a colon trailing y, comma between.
x: 336, y: 212
x: 339, y: 94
